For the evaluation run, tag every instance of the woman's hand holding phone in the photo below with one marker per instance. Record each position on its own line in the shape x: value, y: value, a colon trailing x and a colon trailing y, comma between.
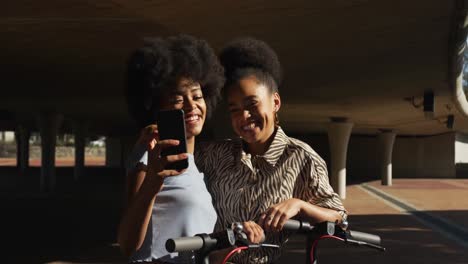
x: 148, y: 137
x: 157, y: 163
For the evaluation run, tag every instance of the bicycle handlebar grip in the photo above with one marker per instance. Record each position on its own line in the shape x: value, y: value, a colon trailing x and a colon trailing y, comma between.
x: 365, y: 237
x: 184, y: 244
x: 297, y: 226
x: 292, y: 225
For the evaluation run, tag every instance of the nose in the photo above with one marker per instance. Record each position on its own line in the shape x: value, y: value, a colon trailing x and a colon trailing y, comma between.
x: 246, y: 114
x: 189, y: 105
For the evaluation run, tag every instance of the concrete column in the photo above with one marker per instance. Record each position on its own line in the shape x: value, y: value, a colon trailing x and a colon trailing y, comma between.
x: 79, y: 129
x: 2, y: 143
x: 113, y: 152
x: 339, y: 132
x: 48, y: 126
x: 386, y: 140
x: 22, y: 135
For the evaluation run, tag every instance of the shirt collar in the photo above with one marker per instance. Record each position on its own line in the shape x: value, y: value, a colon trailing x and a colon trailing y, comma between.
x: 273, y: 152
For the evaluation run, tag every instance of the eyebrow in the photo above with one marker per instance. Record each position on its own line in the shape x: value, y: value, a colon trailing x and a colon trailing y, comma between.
x: 249, y: 98
x: 193, y: 89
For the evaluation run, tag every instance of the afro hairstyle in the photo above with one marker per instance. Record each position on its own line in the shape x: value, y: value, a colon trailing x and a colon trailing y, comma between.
x: 248, y: 56
x: 155, y: 68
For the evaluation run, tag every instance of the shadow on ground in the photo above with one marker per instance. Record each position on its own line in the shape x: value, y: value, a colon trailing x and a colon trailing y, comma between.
x: 78, y: 225
x: 42, y: 230
x: 406, y: 241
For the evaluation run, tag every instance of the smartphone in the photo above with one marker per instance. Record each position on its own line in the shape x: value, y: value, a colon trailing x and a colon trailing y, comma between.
x: 171, y: 125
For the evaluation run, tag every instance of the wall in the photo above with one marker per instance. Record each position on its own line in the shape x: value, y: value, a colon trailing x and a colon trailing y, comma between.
x: 413, y: 157
x: 461, y: 155
x: 424, y: 157
x: 361, y: 158
x: 461, y: 148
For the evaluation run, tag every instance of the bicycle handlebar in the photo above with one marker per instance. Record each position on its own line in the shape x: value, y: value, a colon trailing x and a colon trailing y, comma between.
x: 364, y: 237
x: 203, y: 242
x: 297, y: 226
x: 184, y: 244
x: 228, y: 237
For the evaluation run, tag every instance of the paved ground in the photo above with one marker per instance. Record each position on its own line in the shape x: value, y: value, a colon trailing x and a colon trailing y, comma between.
x: 408, y: 235
x: 420, y: 221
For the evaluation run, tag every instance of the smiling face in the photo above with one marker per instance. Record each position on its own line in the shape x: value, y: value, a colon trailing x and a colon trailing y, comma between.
x: 187, y: 96
x: 253, y: 109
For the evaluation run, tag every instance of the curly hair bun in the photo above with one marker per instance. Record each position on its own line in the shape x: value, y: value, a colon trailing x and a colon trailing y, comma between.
x: 250, y: 53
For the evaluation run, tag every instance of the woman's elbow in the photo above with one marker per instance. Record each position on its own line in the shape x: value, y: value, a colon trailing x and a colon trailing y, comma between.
x: 126, y: 250
x: 125, y: 247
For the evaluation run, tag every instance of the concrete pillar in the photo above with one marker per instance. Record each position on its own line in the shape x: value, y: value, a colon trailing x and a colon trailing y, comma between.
x: 2, y: 143
x: 113, y: 152
x: 79, y: 129
x: 339, y: 132
x: 22, y: 135
x: 48, y: 126
x: 386, y: 140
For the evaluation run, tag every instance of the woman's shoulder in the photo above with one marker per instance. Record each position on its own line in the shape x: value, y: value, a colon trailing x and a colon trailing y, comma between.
x: 305, y: 149
x: 216, y: 146
x: 294, y: 144
x: 214, y: 152
x: 300, y: 145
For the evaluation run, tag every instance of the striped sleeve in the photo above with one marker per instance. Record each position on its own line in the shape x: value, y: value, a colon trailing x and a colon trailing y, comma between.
x: 209, y: 155
x: 202, y: 158
x: 317, y: 189
x: 205, y: 157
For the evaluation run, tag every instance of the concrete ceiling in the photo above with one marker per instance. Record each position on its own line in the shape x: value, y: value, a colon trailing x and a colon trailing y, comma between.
x: 358, y: 59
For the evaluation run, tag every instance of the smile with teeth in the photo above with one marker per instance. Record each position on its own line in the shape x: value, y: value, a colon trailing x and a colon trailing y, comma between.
x: 249, y: 127
x: 192, y: 118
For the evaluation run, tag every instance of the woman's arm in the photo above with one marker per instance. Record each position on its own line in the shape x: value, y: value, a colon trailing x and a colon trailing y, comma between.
x: 317, y: 201
x: 143, y: 189
x: 277, y: 215
x: 143, y: 183
x: 134, y: 223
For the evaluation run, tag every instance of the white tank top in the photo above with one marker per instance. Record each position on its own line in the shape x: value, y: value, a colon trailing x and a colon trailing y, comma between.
x: 183, y: 207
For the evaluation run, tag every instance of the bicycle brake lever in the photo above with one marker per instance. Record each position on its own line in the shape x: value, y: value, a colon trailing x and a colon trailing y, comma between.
x: 242, y: 240
x: 361, y: 243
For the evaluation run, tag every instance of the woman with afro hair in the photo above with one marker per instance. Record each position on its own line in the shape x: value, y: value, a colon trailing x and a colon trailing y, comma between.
x: 263, y: 177
x: 179, y: 72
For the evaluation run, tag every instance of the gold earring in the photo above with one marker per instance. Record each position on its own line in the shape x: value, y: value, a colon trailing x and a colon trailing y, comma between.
x: 276, y: 119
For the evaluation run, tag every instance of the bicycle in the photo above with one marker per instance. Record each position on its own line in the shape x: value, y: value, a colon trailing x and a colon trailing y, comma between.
x: 204, y: 244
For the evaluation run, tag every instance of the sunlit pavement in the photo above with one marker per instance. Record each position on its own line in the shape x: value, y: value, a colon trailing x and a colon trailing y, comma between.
x: 408, y: 235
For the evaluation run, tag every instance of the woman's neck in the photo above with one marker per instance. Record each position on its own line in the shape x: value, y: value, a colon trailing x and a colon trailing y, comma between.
x: 190, y: 145
x: 259, y: 148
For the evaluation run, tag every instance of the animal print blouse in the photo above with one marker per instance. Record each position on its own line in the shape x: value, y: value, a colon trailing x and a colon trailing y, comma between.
x: 244, y: 186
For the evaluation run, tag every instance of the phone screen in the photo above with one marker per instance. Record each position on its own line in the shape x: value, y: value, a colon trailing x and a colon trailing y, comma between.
x: 171, y: 125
